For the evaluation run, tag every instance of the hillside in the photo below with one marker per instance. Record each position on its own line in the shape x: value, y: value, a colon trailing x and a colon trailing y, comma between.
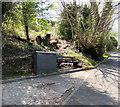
x: 17, y: 55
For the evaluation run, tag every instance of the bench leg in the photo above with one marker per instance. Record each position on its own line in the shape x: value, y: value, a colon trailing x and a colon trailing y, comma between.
x: 75, y: 64
x: 58, y: 64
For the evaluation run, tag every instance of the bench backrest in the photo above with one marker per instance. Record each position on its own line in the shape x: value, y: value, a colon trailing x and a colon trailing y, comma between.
x: 65, y: 57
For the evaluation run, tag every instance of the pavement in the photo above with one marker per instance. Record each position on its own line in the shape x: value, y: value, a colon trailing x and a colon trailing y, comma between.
x: 94, y: 87
x: 40, y: 91
x: 102, y: 86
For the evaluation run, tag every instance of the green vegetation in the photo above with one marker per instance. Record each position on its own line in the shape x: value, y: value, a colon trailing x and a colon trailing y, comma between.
x: 88, y: 28
x: 82, y: 31
x: 111, y: 42
x: 86, y: 62
x: 23, y: 19
x: 105, y: 55
x: 19, y: 67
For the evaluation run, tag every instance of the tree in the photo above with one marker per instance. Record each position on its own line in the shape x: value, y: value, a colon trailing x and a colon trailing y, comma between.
x: 65, y: 30
x: 68, y: 24
x: 102, y: 26
x: 7, y: 8
x: 23, y: 15
x: 28, y: 9
x: 89, y: 28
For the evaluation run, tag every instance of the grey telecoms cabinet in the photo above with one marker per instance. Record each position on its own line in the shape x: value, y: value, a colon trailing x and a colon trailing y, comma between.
x: 44, y: 62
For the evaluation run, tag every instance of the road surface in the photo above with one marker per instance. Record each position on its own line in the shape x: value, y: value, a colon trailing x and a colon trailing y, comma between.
x: 102, y: 85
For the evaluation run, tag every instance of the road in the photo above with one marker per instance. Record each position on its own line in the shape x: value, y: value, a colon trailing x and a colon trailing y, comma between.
x: 101, y: 86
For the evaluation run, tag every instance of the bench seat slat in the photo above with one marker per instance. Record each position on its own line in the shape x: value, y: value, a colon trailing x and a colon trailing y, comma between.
x: 67, y: 59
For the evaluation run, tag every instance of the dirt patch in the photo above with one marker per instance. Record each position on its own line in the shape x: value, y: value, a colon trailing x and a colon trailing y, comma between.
x: 19, y: 67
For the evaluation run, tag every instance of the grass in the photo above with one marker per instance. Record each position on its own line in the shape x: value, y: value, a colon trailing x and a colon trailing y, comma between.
x: 105, y: 55
x: 113, y: 49
x: 86, y: 62
x: 118, y: 49
x: 19, y: 67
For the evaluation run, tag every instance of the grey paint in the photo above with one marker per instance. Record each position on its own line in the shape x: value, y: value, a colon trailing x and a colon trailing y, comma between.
x: 44, y: 62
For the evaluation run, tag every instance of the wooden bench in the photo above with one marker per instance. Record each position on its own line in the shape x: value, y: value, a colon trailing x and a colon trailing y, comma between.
x: 67, y: 59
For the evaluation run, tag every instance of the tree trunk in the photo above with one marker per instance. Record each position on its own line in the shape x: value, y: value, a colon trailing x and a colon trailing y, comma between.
x: 27, y: 34
x: 25, y: 20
